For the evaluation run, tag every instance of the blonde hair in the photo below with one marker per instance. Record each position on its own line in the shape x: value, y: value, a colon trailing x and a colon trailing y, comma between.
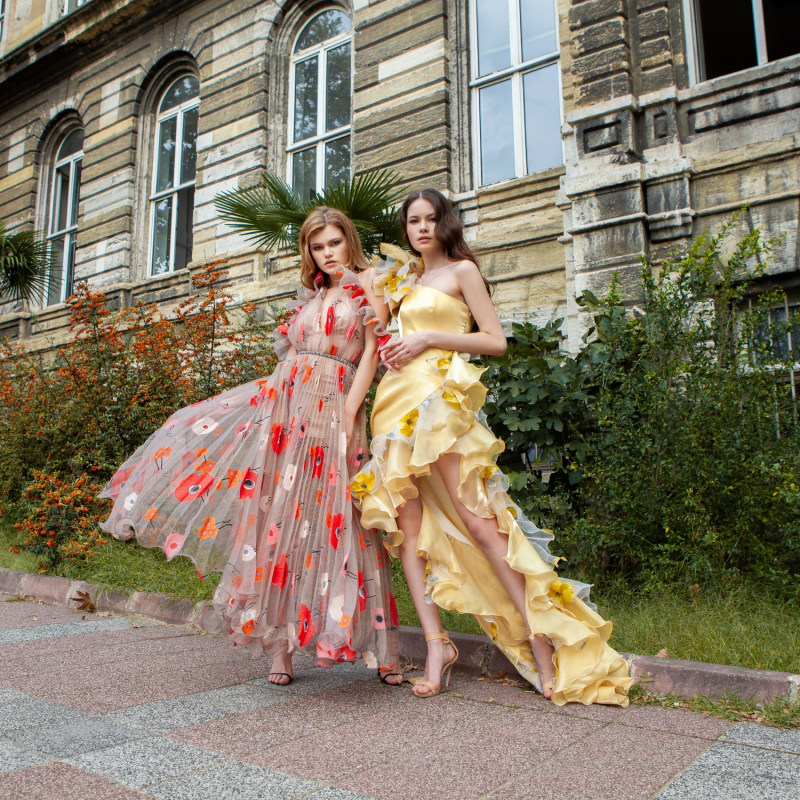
x: 314, y: 223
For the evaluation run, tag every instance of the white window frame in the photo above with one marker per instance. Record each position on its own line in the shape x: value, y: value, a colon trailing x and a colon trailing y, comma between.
x: 2, y: 17
x: 321, y: 138
x: 516, y: 72
x: 72, y: 5
x: 694, y: 40
x: 70, y: 231
x: 179, y: 112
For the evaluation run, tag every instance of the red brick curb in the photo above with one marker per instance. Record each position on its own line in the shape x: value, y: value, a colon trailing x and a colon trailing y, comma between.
x: 660, y: 676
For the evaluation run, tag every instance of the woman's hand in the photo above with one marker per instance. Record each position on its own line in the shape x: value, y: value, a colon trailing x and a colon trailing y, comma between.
x: 399, y: 350
x: 349, y: 426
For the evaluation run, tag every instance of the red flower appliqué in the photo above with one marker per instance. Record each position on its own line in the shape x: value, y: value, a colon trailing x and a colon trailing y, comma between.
x: 305, y: 628
x: 317, y: 460
x: 248, y: 484
x: 280, y: 572
x: 337, y: 523
x: 330, y: 318
x: 280, y: 438
x: 192, y: 486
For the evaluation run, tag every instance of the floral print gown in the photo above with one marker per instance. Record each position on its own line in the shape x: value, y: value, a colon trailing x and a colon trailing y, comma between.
x: 254, y: 483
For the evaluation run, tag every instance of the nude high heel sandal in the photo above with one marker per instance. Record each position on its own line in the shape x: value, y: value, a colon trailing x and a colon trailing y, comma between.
x: 446, y: 668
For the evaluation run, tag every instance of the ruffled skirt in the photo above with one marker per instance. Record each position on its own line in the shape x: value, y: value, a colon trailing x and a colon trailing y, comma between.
x: 432, y: 407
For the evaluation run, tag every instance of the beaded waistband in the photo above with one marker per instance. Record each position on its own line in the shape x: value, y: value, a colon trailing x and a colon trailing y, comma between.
x: 326, y: 355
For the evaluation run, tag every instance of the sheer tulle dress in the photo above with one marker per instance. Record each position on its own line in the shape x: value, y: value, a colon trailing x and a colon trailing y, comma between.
x: 431, y: 406
x: 254, y: 483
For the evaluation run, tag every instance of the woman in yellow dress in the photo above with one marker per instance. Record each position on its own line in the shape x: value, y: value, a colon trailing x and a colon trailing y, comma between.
x: 433, y: 486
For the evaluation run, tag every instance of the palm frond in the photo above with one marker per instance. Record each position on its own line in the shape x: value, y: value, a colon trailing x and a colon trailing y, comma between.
x: 271, y: 214
x: 24, y: 265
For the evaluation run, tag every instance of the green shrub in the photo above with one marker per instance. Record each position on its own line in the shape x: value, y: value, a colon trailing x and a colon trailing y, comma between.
x: 674, y: 430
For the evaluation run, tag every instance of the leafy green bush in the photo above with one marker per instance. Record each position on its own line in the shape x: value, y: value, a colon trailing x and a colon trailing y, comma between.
x: 675, y: 430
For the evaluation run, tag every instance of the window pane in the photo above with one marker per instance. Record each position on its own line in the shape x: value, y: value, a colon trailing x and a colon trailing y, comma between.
x: 77, y: 169
x: 324, y: 26
x: 542, y: 118
x: 494, y: 39
x: 306, y: 76
x: 782, y: 24
x: 183, y: 228
x: 72, y: 144
x: 162, y: 235
x: 538, y: 23
x: 794, y: 330
x: 337, y: 160
x: 497, y: 132
x: 57, y: 248
x: 183, y: 89
x: 304, y: 172
x: 189, y: 145
x: 165, y: 168
x: 60, y: 198
x: 727, y: 36
x: 338, y: 90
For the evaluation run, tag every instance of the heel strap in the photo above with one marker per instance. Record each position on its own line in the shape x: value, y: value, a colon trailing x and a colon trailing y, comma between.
x: 443, y: 635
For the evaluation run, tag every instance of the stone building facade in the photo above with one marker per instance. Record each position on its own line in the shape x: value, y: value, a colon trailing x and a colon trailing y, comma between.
x: 574, y: 136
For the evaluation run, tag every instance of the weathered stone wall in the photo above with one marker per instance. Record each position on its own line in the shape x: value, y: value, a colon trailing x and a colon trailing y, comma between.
x: 649, y: 159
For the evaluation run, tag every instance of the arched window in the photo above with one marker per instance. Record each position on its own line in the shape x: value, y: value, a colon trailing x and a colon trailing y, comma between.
x: 62, y: 224
x: 320, y: 103
x: 172, y: 187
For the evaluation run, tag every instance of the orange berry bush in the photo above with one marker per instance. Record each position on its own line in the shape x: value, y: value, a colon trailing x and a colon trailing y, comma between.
x: 70, y: 417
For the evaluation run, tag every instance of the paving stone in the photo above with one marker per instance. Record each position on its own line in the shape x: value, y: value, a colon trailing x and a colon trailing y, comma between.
x: 760, y: 736
x: 145, y: 762
x: 332, y: 793
x: 13, y: 757
x: 76, y: 736
x: 18, y: 711
x: 738, y: 772
x: 234, y: 781
x: 60, y: 781
x: 614, y: 763
x: 19, y: 635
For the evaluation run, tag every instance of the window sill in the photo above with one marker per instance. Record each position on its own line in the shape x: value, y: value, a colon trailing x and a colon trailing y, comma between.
x: 739, y: 80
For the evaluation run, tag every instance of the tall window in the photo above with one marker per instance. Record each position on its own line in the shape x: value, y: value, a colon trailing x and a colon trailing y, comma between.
x: 62, y: 227
x: 172, y: 189
x: 733, y: 35
x: 2, y: 16
x: 320, y: 92
x: 516, y: 92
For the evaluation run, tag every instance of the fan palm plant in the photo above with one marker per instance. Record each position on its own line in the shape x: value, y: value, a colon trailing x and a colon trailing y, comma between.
x: 24, y: 264
x: 271, y: 214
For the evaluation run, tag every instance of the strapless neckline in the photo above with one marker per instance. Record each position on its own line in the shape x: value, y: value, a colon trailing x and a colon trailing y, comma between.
x: 419, y: 285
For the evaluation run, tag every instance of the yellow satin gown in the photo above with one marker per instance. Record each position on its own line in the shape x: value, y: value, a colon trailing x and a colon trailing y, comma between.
x: 431, y: 406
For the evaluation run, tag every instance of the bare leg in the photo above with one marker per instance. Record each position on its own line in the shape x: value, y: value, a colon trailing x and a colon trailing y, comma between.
x: 494, y: 545
x: 409, y: 520
x: 280, y: 672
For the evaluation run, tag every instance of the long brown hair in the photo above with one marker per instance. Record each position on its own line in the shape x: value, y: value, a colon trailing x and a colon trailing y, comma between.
x: 449, y: 231
x: 310, y: 274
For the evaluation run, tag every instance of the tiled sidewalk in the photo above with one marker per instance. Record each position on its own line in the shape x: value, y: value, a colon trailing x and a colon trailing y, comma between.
x: 120, y: 708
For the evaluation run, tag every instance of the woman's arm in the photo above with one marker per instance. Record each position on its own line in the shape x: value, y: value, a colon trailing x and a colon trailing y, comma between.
x: 362, y: 380
x: 488, y: 340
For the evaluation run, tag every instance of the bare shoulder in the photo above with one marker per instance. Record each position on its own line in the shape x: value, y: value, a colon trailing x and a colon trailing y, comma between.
x: 468, y: 274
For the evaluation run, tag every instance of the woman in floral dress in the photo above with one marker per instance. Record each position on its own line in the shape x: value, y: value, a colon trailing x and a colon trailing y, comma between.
x: 254, y: 482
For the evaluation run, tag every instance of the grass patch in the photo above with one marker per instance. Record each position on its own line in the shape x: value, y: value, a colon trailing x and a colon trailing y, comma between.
x: 120, y: 565
x: 779, y: 713
x: 740, y: 625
